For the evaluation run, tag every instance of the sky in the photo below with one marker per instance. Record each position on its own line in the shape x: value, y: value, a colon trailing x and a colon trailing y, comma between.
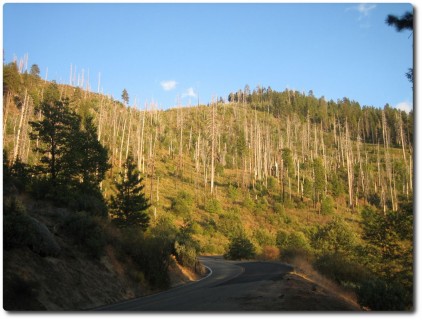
x: 170, y: 53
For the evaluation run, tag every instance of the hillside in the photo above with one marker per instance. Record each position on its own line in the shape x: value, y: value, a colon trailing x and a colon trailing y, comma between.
x: 286, y: 170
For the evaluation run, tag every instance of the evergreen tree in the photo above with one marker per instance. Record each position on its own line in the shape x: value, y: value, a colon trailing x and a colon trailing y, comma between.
x: 403, y: 23
x: 55, y: 131
x: 129, y: 205
x: 89, y: 156
x: 11, y: 78
x: 35, y: 70
x: 125, y: 96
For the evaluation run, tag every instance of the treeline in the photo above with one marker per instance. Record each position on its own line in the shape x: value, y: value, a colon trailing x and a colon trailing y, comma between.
x: 365, y: 122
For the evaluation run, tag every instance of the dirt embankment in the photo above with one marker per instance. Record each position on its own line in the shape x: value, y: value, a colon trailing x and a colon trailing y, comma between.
x: 294, y: 292
x: 303, y: 289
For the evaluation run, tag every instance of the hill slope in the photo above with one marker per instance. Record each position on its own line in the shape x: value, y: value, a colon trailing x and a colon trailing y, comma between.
x: 283, y: 169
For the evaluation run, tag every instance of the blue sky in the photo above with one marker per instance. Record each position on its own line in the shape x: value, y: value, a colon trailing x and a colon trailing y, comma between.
x: 165, y: 51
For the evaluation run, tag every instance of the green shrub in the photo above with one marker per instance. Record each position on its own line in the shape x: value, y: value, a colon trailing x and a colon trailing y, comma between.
x: 240, y: 248
x: 186, y: 254
x: 282, y: 238
x: 183, y: 204
x: 155, y: 260
x: 335, y: 236
x: 213, y: 206
x: 380, y: 295
x: 298, y: 240
x: 150, y: 252
x: 87, y: 232
x: 230, y: 224
x: 279, y: 209
x: 327, y: 206
x: 263, y: 237
x: 341, y: 269
x: 233, y: 192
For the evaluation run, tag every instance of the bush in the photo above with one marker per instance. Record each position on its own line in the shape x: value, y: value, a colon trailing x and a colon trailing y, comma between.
x: 263, y: 237
x: 341, y: 269
x: 381, y: 295
x: 213, y: 206
x: 183, y: 204
x: 327, y: 206
x: 186, y: 254
x: 240, y: 248
x: 335, y: 236
x: 230, y: 224
x: 87, y: 232
x: 149, y: 251
x: 155, y: 260
x: 282, y: 238
x: 298, y: 240
x: 279, y: 209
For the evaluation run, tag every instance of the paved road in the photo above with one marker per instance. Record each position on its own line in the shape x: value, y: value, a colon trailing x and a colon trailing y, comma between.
x: 219, y: 291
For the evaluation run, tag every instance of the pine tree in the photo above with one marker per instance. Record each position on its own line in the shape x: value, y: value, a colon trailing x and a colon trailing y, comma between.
x: 35, y: 70
x: 125, y: 96
x: 129, y: 205
x: 89, y: 156
x: 55, y: 131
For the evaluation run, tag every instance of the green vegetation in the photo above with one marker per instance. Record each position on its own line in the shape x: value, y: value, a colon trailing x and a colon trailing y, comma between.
x: 269, y: 174
x: 128, y: 207
x: 240, y: 248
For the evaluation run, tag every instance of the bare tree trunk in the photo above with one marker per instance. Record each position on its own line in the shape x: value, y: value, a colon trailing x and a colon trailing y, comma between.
x: 18, y: 134
x: 349, y: 161
x: 121, y: 143
x: 213, y: 129
x: 128, y: 133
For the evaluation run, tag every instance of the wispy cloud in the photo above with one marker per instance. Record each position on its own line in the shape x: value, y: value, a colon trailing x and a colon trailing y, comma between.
x: 364, y: 10
x: 168, y: 85
x: 189, y: 93
x: 405, y: 106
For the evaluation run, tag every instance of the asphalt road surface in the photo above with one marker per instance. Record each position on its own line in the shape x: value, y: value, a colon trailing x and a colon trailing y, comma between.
x: 220, y: 290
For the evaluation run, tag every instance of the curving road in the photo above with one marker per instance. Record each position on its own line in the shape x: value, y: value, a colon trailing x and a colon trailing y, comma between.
x: 218, y: 291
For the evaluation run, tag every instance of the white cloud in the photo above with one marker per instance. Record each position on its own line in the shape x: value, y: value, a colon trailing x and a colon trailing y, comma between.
x: 168, y: 85
x: 405, y: 106
x: 365, y: 8
x: 189, y: 93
